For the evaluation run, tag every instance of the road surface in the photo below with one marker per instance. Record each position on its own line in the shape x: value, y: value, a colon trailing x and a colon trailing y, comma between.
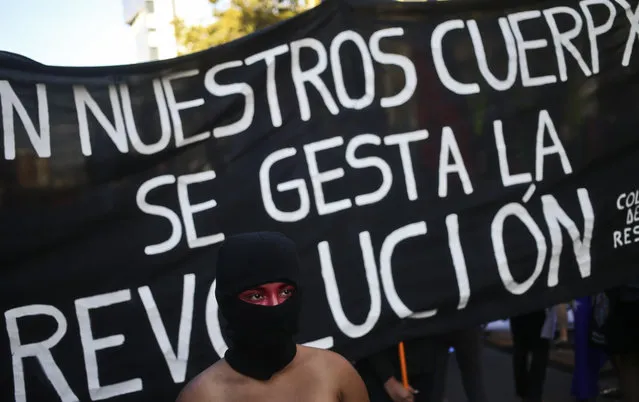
x: 499, y: 380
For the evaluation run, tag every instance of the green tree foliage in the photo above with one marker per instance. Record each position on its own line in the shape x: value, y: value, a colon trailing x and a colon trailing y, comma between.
x: 238, y: 18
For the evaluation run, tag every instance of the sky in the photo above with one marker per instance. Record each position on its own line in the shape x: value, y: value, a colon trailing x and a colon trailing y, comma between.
x: 67, y: 32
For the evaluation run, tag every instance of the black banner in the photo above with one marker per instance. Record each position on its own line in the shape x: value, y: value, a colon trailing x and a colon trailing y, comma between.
x: 438, y: 165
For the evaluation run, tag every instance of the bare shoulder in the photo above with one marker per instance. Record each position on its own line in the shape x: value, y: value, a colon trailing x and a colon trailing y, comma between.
x: 331, y: 365
x: 326, y: 359
x: 208, y: 385
x: 349, y: 386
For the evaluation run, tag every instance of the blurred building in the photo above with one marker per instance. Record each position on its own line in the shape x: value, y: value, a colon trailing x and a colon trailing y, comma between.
x: 152, y: 24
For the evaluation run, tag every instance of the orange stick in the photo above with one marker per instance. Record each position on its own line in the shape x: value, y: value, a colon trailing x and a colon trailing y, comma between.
x: 402, y: 364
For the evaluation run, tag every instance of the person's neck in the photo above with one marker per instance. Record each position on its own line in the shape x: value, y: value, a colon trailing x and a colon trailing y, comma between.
x: 259, y: 361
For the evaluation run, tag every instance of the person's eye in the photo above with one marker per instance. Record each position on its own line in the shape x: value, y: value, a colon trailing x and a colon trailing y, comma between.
x: 255, y: 296
x: 287, y: 292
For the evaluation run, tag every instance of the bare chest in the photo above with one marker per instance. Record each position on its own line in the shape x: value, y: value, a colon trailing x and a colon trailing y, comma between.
x: 287, y: 390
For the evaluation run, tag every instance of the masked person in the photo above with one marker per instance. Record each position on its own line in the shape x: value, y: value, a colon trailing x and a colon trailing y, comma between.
x: 259, y: 296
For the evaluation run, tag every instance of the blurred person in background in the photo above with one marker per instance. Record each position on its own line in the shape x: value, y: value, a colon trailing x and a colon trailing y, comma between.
x: 468, y: 346
x: 532, y: 334
x: 621, y: 332
x: 589, y: 357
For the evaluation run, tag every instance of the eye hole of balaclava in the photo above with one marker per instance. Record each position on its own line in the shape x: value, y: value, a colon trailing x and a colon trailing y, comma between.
x: 268, y: 294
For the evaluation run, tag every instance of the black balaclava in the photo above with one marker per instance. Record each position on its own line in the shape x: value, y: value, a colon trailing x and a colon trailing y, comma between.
x: 261, y: 336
